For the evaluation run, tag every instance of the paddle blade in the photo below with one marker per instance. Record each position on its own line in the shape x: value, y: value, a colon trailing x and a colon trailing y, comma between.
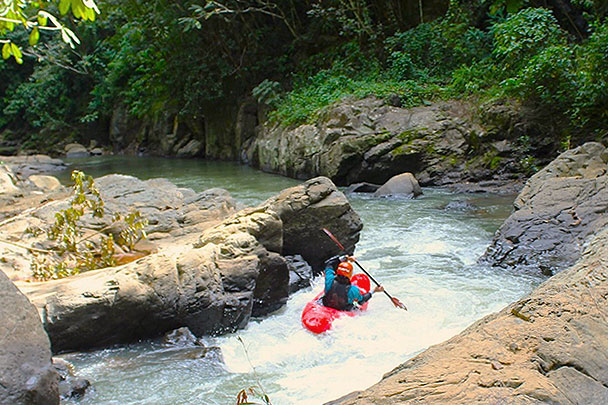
x: 333, y: 238
x: 398, y: 303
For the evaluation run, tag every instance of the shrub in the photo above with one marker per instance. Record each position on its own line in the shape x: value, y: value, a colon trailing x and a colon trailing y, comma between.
x: 74, y: 249
x: 590, y: 105
x: 525, y: 34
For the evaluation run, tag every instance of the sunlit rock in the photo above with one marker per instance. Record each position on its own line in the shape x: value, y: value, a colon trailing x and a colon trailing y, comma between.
x: 402, y: 185
x: 236, y: 269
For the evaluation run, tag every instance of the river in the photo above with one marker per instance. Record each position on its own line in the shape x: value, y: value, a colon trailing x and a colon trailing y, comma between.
x: 422, y: 252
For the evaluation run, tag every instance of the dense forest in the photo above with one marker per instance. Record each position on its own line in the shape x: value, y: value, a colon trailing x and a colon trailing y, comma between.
x: 144, y: 58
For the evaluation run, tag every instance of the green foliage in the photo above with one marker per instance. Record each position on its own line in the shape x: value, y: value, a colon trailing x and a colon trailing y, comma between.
x: 243, y: 397
x: 525, y: 34
x: 34, y: 16
x: 435, y: 49
x: 352, y: 75
x: 42, y: 100
x: 267, y: 92
x: 547, y: 77
x: 150, y: 56
x: 590, y: 101
x: 80, y: 249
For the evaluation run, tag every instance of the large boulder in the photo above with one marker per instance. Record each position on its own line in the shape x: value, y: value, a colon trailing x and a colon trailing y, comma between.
x: 305, y: 210
x: 557, y: 211
x: 27, y: 376
x: 550, y: 347
x: 236, y: 269
x: 402, y: 185
x: 75, y: 150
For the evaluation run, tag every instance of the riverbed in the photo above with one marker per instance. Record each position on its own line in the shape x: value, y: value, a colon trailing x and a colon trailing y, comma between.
x: 423, y: 251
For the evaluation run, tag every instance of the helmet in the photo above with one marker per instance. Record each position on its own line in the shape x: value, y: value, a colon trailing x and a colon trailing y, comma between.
x: 345, y: 269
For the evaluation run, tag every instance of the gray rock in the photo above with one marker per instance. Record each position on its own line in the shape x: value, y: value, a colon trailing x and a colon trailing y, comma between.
x: 362, y: 188
x: 402, y: 185
x: 27, y: 375
x: 459, y: 205
x: 305, y: 210
x: 236, y: 270
x: 556, y: 212
x: 76, y: 150
x: 369, y: 141
x: 24, y: 166
x: 300, y: 273
x: 70, y: 385
x: 191, y: 149
x: 181, y: 337
x: 168, y: 208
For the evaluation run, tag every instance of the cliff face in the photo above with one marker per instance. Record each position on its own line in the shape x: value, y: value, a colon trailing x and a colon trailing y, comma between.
x: 217, y: 135
x: 370, y: 140
x: 548, y: 347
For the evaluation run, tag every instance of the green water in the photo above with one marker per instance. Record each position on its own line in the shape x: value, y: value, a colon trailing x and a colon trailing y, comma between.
x: 422, y: 253
x: 247, y: 185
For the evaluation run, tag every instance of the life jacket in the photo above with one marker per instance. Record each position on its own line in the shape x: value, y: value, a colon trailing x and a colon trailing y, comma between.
x: 337, y: 296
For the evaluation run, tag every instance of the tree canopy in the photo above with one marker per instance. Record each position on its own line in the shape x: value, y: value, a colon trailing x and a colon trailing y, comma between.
x: 296, y: 57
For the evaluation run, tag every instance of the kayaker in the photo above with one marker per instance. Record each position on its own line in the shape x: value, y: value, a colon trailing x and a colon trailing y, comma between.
x: 339, y: 292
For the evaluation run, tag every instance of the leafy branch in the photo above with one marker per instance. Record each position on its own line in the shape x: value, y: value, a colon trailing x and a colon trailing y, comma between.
x: 18, y: 14
x: 78, y: 247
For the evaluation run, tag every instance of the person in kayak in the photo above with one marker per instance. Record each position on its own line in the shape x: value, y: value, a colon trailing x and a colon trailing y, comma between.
x: 339, y: 292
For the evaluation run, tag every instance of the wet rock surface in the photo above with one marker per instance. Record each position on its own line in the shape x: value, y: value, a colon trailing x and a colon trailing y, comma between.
x: 556, y: 213
x: 70, y: 385
x: 402, y: 185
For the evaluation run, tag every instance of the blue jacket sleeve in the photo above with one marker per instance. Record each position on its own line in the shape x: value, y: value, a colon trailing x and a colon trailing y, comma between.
x: 330, y: 275
x: 354, y: 294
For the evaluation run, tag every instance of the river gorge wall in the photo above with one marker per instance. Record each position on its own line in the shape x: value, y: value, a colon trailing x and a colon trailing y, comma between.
x: 355, y: 140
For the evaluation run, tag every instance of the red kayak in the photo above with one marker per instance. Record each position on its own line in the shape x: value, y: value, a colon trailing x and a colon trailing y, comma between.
x: 318, y: 318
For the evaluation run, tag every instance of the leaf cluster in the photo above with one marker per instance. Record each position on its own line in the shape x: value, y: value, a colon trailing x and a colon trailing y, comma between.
x: 35, y: 16
x: 77, y: 248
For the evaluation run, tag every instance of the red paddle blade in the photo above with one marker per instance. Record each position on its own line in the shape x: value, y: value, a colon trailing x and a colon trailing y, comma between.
x: 398, y: 303
x: 333, y: 238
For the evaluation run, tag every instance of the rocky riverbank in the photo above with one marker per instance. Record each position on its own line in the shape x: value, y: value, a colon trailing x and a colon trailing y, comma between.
x: 451, y: 143
x: 213, y: 268
x: 206, y: 267
x: 548, y: 347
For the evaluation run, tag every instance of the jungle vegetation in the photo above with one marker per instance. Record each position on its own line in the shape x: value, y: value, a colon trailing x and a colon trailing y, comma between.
x: 299, y: 56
